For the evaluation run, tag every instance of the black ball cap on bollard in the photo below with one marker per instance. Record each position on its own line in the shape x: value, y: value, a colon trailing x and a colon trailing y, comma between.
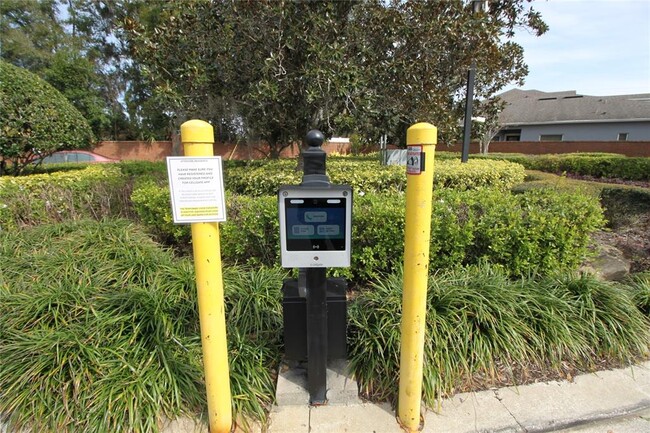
x: 314, y: 156
x: 315, y: 138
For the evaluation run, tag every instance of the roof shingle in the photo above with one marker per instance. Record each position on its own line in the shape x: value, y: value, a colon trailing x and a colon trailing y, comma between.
x: 536, y: 107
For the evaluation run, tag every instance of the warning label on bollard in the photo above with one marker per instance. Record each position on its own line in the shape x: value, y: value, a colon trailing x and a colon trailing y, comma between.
x: 414, y: 160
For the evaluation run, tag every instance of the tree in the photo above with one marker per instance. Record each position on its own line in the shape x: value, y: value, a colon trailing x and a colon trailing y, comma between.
x: 299, y: 74
x: 274, y: 69
x: 125, y: 94
x: 268, y: 70
x: 35, y: 120
x: 30, y: 32
x: 419, y: 53
x: 76, y: 46
x: 485, y: 131
x: 75, y: 77
x: 182, y: 51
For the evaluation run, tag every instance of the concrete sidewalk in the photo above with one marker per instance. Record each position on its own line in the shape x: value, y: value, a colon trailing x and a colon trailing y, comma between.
x: 616, y: 401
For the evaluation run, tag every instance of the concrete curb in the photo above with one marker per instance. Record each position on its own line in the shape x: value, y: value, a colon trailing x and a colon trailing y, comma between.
x: 613, y: 397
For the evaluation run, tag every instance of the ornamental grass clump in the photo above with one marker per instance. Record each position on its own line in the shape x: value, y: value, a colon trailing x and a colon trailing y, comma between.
x: 484, y: 329
x: 603, y: 316
x: 640, y: 291
x: 99, y: 331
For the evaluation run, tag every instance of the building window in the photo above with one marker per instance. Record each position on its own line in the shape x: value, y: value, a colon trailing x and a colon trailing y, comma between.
x: 622, y: 136
x: 550, y: 137
x: 511, y: 134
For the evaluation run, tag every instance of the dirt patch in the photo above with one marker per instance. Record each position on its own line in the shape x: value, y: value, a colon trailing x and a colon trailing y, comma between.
x: 640, y: 183
x: 628, y: 215
x: 633, y: 240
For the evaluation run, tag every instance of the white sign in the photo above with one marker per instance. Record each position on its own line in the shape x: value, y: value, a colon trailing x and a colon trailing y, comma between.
x: 414, y: 160
x: 196, y: 189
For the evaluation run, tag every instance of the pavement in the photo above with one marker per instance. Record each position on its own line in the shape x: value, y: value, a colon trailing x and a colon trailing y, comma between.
x: 613, y: 401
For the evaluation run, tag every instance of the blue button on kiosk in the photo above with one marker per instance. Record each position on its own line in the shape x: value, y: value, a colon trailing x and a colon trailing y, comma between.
x: 315, y: 234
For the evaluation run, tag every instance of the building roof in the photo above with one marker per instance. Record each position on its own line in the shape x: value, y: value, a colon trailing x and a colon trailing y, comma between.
x: 533, y: 107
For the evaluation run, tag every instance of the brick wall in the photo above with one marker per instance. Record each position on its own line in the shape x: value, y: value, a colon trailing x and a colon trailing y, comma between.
x: 629, y: 148
x: 138, y: 150
x: 158, y: 150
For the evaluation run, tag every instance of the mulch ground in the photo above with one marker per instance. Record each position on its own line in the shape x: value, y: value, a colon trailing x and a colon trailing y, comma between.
x: 631, y: 238
x: 641, y: 183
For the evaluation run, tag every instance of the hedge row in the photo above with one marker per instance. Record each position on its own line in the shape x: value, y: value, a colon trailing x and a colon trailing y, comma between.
x: 535, y: 229
x: 598, y: 165
x: 259, y: 179
x: 539, y: 230
x: 94, y: 192
x: 98, y: 191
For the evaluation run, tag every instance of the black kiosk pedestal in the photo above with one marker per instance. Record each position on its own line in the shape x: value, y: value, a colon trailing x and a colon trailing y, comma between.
x: 315, y: 229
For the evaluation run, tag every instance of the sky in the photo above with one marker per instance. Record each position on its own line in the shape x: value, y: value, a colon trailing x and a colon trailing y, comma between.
x: 595, y: 47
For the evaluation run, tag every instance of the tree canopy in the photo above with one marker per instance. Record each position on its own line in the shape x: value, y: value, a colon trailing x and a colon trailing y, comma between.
x: 76, y: 46
x: 270, y: 70
x: 275, y: 69
x: 35, y: 120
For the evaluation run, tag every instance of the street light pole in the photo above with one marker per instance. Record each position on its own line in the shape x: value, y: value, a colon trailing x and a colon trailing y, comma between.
x: 469, y: 102
x: 477, y: 7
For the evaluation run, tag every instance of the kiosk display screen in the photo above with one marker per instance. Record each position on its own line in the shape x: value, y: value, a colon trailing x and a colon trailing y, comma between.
x: 315, y: 224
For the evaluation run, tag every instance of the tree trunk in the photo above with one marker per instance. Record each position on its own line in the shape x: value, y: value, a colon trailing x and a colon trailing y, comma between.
x: 484, y: 147
x: 177, y: 146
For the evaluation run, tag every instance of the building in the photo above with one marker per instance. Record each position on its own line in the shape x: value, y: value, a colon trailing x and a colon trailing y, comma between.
x: 533, y: 116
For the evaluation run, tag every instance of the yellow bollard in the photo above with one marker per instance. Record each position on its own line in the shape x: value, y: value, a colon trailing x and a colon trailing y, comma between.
x: 197, y: 137
x: 421, y: 139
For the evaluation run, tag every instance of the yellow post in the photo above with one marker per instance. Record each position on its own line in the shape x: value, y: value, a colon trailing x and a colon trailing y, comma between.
x: 197, y: 137
x: 421, y: 139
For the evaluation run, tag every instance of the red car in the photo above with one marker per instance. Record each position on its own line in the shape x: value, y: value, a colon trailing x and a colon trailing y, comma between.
x: 76, y: 156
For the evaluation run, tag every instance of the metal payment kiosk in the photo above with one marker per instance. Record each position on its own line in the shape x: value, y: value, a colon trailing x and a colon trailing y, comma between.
x: 315, y: 226
x: 315, y: 234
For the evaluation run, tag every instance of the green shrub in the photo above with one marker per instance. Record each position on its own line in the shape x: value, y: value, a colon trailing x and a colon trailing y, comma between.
x: 541, y: 230
x: 442, y: 154
x: 537, y: 230
x: 109, y: 323
x: 369, y: 176
x: 251, y: 235
x: 482, y: 325
x: 53, y: 168
x: 97, y: 191
x: 260, y: 178
x: 152, y: 205
x: 597, y: 165
x: 476, y: 174
x: 156, y: 169
x: 35, y: 119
